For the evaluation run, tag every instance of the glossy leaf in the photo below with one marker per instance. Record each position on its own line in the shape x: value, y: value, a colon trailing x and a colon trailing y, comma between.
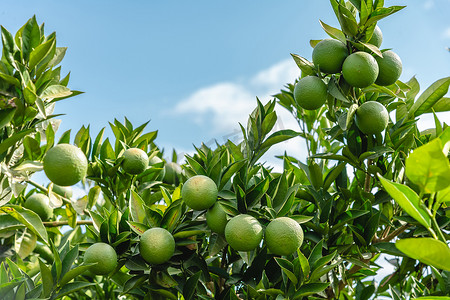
x: 428, y: 167
x: 429, y: 97
x: 427, y: 250
x: 29, y: 218
x: 407, y: 199
x: 333, y: 32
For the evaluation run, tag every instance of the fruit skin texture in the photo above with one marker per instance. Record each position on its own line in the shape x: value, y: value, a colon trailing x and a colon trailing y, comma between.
x: 40, y: 204
x: 135, y: 161
x: 216, y: 218
x: 372, y: 117
x: 360, y: 69
x: 329, y: 55
x: 283, y: 236
x: 199, y: 192
x: 157, y: 245
x: 390, y: 68
x: 65, y: 191
x: 377, y: 37
x: 65, y: 164
x: 310, y: 92
x: 243, y: 232
x: 104, y: 255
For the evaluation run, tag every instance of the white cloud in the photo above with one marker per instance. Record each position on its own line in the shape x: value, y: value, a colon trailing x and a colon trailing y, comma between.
x: 222, y: 106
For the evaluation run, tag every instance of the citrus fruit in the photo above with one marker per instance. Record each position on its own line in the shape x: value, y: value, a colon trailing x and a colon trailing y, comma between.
x: 171, y: 172
x: 360, y: 69
x: 199, y: 192
x: 40, y: 204
x: 310, y: 92
x: 283, y: 236
x: 243, y: 232
x: 377, y: 37
x: 329, y: 55
x: 65, y: 164
x: 135, y: 161
x: 65, y: 191
x: 372, y: 117
x: 390, y: 68
x: 156, y: 245
x: 216, y: 218
x: 104, y: 255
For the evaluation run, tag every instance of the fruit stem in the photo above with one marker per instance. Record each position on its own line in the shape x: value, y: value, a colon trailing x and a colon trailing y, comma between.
x: 63, y: 223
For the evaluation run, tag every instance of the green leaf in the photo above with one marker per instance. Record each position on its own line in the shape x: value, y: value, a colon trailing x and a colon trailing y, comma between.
x: 10, y: 79
x: 407, y: 199
x: 25, y: 242
x: 55, y: 91
x: 72, y: 287
x: 47, y: 279
x: 429, y: 97
x: 333, y: 32
x: 442, y: 105
x: 279, y: 136
x: 229, y: 171
x: 310, y: 289
x: 347, y: 20
x: 427, y: 250
x: 382, y: 12
x: 191, y: 285
x: 29, y: 218
x: 305, y: 66
x: 288, y: 268
x: 6, y: 115
x: 172, y: 215
x: 372, y: 48
x: 137, y: 209
x: 73, y: 273
x: 9, y: 142
x: 9, y: 225
x: 138, y: 228
x: 428, y: 167
x: 40, y: 52
x: 30, y: 36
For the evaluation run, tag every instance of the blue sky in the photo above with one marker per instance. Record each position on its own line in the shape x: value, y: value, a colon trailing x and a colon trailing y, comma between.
x: 194, y: 68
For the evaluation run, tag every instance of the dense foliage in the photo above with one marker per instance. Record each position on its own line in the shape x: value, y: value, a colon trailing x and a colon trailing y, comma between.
x: 361, y: 199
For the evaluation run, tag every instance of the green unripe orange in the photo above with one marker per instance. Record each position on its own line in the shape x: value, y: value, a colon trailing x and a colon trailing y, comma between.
x: 135, y: 161
x: 199, y: 192
x: 243, y: 233
x: 156, y: 245
x: 310, y: 92
x: 372, y: 117
x: 104, y: 256
x: 329, y: 55
x: 216, y: 218
x: 40, y: 204
x: 65, y: 164
x: 390, y: 68
x: 377, y: 37
x: 360, y: 69
x: 283, y: 236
